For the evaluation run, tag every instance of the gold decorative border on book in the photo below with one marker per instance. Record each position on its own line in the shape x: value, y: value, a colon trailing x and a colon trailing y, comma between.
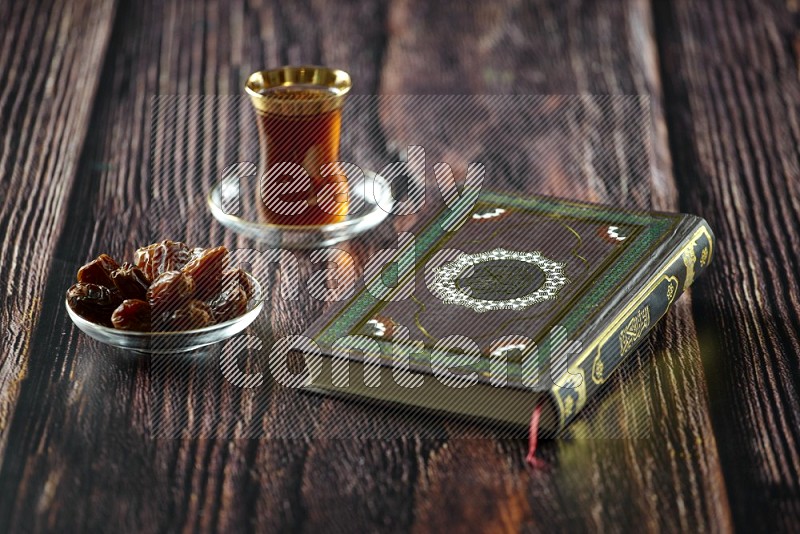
x: 570, y: 404
x: 633, y: 331
x: 563, y: 307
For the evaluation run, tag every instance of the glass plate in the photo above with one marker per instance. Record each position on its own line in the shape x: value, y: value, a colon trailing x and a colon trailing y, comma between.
x: 171, y: 342
x: 239, y: 212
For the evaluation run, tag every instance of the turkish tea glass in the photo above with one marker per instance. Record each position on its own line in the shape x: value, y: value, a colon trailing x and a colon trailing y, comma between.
x: 299, y: 114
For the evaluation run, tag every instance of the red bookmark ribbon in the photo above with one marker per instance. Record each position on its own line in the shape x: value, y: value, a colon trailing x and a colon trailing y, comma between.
x: 533, y: 437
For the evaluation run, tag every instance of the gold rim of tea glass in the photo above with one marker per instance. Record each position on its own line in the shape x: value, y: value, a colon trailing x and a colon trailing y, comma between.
x: 335, y: 82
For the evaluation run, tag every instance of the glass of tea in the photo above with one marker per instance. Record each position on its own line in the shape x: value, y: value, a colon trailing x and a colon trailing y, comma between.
x: 299, y: 114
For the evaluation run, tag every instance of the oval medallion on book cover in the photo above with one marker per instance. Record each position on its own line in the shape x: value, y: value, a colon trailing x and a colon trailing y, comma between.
x: 498, y: 279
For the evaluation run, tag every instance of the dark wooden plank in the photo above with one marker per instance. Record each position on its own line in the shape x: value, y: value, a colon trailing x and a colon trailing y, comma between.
x: 50, y: 59
x: 81, y: 456
x: 92, y: 407
x: 731, y: 79
x: 100, y: 468
x: 668, y: 478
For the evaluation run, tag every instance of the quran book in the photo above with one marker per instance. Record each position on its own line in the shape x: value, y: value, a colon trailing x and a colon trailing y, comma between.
x: 493, y: 307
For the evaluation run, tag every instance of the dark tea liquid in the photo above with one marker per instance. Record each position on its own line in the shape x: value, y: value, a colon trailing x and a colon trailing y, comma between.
x: 302, y: 130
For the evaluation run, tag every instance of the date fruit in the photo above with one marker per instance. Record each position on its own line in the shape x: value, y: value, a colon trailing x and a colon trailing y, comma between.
x: 206, y: 271
x: 98, y: 271
x: 238, y: 278
x: 194, y: 314
x: 93, y: 302
x: 132, y: 314
x: 159, y: 258
x: 196, y: 253
x: 170, y: 291
x: 169, y: 287
x: 131, y: 282
x: 230, y: 303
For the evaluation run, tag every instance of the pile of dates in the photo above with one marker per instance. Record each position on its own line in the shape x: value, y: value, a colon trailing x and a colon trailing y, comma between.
x: 169, y: 287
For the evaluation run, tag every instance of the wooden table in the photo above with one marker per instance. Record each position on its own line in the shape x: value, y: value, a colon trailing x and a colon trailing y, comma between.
x: 723, y: 403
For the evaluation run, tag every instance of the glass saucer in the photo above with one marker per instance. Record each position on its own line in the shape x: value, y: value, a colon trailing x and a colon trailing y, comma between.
x: 238, y: 210
x: 172, y: 342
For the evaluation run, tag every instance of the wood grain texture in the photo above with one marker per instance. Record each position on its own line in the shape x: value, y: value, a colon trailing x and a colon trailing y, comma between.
x: 672, y: 476
x: 731, y: 80
x: 79, y: 454
x: 50, y: 58
x: 94, y: 412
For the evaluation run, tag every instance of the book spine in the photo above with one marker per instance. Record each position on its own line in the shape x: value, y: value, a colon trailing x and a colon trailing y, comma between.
x: 648, y: 304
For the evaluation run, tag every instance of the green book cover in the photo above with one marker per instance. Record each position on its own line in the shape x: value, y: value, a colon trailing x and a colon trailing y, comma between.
x: 490, y: 308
